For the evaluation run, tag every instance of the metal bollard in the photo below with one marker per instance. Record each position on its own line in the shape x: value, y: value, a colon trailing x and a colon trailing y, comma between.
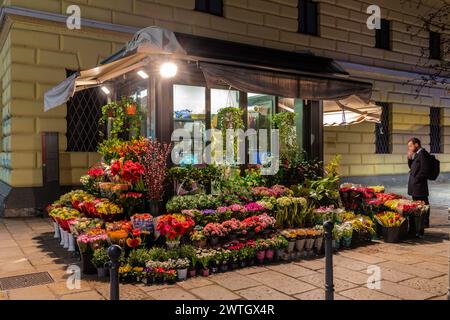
x: 114, y: 253
x: 329, y: 285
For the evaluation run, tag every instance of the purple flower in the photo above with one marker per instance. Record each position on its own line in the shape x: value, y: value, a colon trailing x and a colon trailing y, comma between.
x: 209, y: 211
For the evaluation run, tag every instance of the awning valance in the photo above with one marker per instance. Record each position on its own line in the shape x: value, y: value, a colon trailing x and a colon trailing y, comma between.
x: 244, y: 67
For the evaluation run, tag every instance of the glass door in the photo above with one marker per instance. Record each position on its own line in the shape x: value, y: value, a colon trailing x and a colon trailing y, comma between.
x: 260, y: 110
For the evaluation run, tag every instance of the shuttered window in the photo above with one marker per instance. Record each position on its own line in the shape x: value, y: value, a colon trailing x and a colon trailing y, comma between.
x: 383, y: 130
x: 210, y: 6
x: 83, y: 114
x: 436, y: 130
x: 435, y: 45
x: 383, y: 35
x: 308, y: 17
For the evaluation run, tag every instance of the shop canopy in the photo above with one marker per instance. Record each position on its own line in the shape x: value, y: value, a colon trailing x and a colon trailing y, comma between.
x: 243, y: 67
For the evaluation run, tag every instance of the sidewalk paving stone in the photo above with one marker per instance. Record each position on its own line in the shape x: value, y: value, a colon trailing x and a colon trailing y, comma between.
x: 317, y: 294
x: 417, y: 271
x: 432, y: 266
x: 349, y: 263
x: 394, y: 275
x: 263, y: 293
x: 282, y: 282
x: 172, y: 294
x: 433, y: 286
x: 234, y: 281
x: 363, y: 293
x: 293, y: 270
x: 32, y: 293
x: 318, y: 280
x: 362, y: 257
x: 214, y: 292
x: 88, y: 295
x: 355, y: 277
x: 404, y: 292
x: 193, y: 283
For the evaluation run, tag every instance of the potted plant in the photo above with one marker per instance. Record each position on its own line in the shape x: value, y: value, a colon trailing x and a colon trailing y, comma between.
x: 213, y: 231
x: 291, y: 236
x: 391, y: 222
x: 270, y: 251
x: 347, y: 233
x: 311, y: 235
x: 170, y: 276
x: 198, y: 238
x: 261, y: 247
x: 281, y: 246
x: 173, y: 227
x: 337, y: 235
x: 224, y: 260
x: 319, y: 239
x: 154, y: 160
x: 204, y: 257
x: 232, y: 228
x: 100, y: 258
x: 300, y: 240
x: 181, y: 265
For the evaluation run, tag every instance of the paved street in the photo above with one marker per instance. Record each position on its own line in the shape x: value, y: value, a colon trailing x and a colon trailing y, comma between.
x: 415, y: 269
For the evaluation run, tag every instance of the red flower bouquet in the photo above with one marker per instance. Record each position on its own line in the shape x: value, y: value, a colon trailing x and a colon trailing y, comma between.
x: 128, y: 171
x: 174, y: 226
x: 96, y: 172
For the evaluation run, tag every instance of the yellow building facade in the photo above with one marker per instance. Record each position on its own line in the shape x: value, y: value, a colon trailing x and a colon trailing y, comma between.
x: 37, y: 48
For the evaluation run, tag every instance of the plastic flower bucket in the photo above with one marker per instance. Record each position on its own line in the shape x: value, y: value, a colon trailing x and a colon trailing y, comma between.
x: 391, y: 234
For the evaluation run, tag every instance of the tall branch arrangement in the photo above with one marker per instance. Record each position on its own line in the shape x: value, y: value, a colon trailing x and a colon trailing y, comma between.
x: 154, y: 159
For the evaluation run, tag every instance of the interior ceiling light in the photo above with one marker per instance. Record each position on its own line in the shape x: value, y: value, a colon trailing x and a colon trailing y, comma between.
x: 106, y: 90
x: 168, y: 70
x: 142, y: 74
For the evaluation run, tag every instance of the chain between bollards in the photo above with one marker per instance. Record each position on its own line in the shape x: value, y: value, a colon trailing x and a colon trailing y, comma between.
x: 114, y: 253
x: 329, y: 285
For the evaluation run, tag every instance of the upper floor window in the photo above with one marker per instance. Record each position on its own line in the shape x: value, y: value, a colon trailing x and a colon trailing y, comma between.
x: 210, y: 6
x: 308, y: 12
x: 383, y: 130
x: 436, y: 130
x: 383, y: 35
x: 435, y: 45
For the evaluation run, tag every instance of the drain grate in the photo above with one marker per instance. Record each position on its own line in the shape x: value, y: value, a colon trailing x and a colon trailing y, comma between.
x: 26, y: 280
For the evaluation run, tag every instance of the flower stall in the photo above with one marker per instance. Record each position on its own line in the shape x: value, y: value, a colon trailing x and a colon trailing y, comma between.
x: 233, y: 225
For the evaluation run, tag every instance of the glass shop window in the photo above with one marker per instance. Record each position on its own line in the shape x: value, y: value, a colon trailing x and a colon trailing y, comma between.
x: 260, y: 110
x: 141, y: 97
x: 189, y: 114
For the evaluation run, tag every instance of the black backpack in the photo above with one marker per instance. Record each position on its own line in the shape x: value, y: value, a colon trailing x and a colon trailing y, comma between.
x: 435, y: 168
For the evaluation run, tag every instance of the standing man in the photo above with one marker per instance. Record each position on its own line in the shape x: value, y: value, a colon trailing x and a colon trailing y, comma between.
x: 419, y: 163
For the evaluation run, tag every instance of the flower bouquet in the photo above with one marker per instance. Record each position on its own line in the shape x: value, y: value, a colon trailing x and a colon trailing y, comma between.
x: 108, y: 211
x: 300, y: 239
x: 347, y: 234
x: 173, y: 227
x: 291, y: 236
x: 391, y: 223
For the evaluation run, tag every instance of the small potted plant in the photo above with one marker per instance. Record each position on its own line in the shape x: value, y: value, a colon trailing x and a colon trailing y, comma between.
x: 224, y: 260
x: 214, y: 231
x: 270, y: 251
x: 281, y: 246
x: 291, y: 236
x: 204, y: 257
x: 337, y: 235
x: 319, y: 239
x: 100, y: 258
x: 170, y: 276
x: 261, y: 247
x: 198, y: 238
x: 300, y: 240
x: 182, y: 265
x: 347, y: 233
x: 311, y: 235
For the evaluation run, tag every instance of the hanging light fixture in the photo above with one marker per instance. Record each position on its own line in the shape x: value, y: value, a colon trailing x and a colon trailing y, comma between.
x: 168, y: 70
x: 142, y: 74
x: 106, y: 90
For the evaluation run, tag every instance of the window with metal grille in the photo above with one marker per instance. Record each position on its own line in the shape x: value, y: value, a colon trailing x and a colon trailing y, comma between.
x: 382, y: 130
x: 435, y: 45
x: 383, y: 35
x: 210, y: 6
x: 435, y: 130
x: 307, y: 17
x: 83, y: 114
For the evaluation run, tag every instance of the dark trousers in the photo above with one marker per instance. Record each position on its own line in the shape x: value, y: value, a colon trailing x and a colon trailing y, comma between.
x: 427, y: 214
